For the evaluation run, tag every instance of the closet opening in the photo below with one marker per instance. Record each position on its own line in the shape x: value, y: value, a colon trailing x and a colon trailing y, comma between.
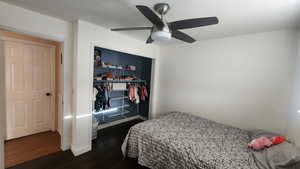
x: 33, y: 96
x: 121, y: 88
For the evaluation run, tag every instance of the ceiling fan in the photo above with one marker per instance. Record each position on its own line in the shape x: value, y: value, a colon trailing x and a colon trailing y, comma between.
x: 163, y: 30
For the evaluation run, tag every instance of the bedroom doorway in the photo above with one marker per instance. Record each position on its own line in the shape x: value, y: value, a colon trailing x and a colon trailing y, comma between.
x: 32, y: 90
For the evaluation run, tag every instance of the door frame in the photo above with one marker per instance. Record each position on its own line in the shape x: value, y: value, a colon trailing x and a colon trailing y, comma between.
x: 55, y: 112
x: 2, y: 105
x: 66, y: 45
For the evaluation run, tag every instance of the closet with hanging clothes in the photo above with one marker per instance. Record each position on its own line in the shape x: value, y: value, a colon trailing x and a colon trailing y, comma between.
x: 121, y: 87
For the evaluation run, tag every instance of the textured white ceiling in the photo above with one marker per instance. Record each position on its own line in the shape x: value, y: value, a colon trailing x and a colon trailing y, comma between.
x: 236, y: 16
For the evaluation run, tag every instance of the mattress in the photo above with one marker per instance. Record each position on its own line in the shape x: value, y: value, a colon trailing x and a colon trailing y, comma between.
x: 183, y: 141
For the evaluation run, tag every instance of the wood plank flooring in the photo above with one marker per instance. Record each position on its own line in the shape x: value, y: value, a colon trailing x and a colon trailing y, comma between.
x: 27, y: 148
x: 106, y: 154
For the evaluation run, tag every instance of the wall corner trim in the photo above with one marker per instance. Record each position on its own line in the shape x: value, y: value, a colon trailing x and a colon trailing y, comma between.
x: 80, y: 150
x: 65, y: 147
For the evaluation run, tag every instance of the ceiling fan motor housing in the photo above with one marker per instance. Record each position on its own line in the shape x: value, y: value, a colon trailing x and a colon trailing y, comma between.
x: 161, y: 33
x: 162, y: 8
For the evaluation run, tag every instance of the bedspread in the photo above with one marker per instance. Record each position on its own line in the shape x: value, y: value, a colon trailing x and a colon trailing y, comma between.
x: 183, y: 141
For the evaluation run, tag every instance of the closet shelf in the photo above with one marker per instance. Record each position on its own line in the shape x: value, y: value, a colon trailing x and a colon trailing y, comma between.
x: 119, y: 98
x: 107, y: 68
x: 120, y: 114
x: 119, y: 81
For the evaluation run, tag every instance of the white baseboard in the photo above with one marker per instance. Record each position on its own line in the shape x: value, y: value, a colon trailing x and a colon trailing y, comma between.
x: 81, y: 150
x: 120, y: 121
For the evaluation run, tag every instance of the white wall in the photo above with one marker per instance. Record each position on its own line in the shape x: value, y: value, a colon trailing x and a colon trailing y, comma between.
x: 2, y: 106
x: 244, y: 81
x: 294, y: 116
x: 32, y: 23
x: 87, y: 36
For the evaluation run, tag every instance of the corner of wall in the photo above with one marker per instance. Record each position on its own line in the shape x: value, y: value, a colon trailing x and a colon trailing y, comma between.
x: 78, y: 151
x: 293, y: 126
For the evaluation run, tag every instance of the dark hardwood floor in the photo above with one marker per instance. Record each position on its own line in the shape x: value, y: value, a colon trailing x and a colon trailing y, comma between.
x: 106, y: 154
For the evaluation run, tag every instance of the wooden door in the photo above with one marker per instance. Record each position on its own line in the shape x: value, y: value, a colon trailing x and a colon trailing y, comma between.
x: 30, y: 77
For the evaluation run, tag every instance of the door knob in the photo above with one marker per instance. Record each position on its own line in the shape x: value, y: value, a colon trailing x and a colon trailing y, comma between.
x: 48, y: 94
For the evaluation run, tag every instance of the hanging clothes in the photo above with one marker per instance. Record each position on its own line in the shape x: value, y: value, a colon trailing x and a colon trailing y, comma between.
x: 131, y: 93
x: 102, y: 98
x: 143, y: 92
x: 106, y: 100
x: 136, y: 95
x: 98, y: 102
x: 95, y: 92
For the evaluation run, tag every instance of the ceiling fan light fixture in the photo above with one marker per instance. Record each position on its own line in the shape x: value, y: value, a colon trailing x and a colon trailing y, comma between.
x: 163, y: 30
x: 161, y: 36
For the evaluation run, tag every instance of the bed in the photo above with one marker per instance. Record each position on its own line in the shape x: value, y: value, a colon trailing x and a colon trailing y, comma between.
x: 183, y: 141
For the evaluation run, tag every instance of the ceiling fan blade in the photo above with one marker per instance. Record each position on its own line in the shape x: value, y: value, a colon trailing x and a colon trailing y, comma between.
x: 193, y: 23
x: 182, y: 36
x: 132, y: 29
x: 150, y: 15
x: 149, y: 40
